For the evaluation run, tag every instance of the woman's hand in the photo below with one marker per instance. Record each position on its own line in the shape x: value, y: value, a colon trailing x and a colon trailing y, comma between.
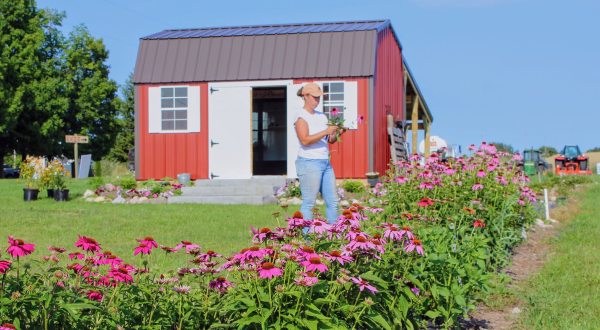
x: 332, y: 129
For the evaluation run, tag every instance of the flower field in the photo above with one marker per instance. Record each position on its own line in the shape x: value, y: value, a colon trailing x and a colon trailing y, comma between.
x: 415, y: 255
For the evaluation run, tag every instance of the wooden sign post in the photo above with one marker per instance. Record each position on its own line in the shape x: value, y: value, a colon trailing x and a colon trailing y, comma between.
x: 76, y: 139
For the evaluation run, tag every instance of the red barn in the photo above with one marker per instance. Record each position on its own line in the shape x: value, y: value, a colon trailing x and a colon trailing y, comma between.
x: 219, y: 102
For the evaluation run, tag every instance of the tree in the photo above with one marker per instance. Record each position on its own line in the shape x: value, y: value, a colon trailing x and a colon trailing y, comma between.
x: 547, y: 151
x: 51, y: 85
x: 125, y: 119
x: 595, y: 149
x: 503, y: 147
x: 92, y: 95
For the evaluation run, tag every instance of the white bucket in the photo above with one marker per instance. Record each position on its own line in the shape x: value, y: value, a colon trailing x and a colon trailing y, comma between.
x: 598, y: 168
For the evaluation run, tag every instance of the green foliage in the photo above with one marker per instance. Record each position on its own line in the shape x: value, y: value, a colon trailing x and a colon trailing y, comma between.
x: 97, y: 168
x: 112, y: 168
x: 547, y: 151
x: 595, y: 149
x: 563, y: 184
x: 289, y: 190
x: 504, y: 147
x: 353, y: 186
x: 126, y: 182
x: 96, y: 182
x: 125, y: 120
x: 51, y: 85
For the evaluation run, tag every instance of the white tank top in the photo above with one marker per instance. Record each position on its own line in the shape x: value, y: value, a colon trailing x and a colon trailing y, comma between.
x: 317, y: 122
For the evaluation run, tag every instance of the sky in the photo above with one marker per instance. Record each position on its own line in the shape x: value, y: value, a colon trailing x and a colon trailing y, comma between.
x: 521, y: 72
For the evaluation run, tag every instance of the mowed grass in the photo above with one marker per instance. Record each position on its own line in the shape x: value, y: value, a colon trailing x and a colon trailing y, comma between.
x: 566, y: 292
x: 222, y: 228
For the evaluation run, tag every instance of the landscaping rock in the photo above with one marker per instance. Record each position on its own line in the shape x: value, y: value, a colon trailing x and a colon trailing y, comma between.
x: 143, y: 199
x: 294, y: 201
x: 99, y: 199
x: 134, y: 200
x: 88, y: 193
x: 344, y: 203
x: 119, y: 200
x: 516, y: 310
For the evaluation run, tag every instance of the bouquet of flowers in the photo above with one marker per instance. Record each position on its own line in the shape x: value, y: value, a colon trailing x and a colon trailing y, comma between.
x: 336, y: 119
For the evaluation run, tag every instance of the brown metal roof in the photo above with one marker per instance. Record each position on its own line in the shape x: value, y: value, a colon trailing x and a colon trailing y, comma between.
x: 256, y: 57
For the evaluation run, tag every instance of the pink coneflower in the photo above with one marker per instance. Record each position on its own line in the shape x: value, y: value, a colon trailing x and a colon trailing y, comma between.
x: 501, y: 180
x: 208, y: 256
x: 426, y: 185
x: 335, y: 111
x: 361, y: 243
x: 318, y: 227
x: 400, y: 179
x: 477, y: 186
x: 95, y: 295
x: 268, y: 270
x: 392, y: 232
x: 18, y: 248
x: 4, y: 266
x: 121, y: 274
x: 314, y: 264
x: 415, y: 290
x: 262, y: 234
x: 414, y: 244
x: 521, y: 202
x: 7, y: 326
x: 189, y: 247
x: 478, y: 223
x: 143, y: 248
x: 481, y: 174
x: 220, y: 284
x: 361, y: 119
x: 87, y: 244
x: 449, y: 171
x: 425, y: 201
x: 378, y: 243
x: 307, y: 279
x: 107, y: 258
x: 517, y: 157
x: 337, y: 256
x: 76, y: 255
x: 149, y: 241
x: 362, y: 284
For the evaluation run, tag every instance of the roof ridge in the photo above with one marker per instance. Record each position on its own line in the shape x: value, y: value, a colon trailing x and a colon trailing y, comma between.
x: 278, y: 25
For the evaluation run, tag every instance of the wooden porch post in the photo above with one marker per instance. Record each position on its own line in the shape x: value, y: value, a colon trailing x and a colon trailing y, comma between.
x: 427, y: 142
x: 415, y: 123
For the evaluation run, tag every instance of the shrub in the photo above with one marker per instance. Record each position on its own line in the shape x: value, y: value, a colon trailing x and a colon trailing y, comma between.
x: 354, y: 186
x: 126, y: 182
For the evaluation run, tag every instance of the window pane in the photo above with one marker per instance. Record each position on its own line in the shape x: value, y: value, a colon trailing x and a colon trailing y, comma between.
x: 167, y: 125
x: 168, y: 114
x: 337, y: 88
x: 325, y: 97
x: 181, y: 102
x: 166, y: 103
x: 181, y: 91
x: 181, y: 124
x: 180, y: 114
x: 166, y: 92
x: 336, y: 97
x: 325, y: 88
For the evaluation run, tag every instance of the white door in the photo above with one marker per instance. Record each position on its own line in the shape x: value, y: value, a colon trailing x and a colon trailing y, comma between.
x: 230, y: 131
x: 294, y: 104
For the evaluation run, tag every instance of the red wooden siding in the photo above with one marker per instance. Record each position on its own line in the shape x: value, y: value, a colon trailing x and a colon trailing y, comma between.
x: 163, y: 155
x: 388, y: 95
x: 350, y: 158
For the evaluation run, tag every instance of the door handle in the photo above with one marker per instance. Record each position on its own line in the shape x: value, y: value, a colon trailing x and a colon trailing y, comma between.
x: 212, y: 176
x: 212, y: 143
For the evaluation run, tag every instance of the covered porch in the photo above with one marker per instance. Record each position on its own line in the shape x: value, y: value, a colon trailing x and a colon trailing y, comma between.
x: 417, y: 114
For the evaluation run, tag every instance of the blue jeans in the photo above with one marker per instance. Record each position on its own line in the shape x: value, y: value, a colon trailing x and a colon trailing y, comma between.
x: 316, y: 175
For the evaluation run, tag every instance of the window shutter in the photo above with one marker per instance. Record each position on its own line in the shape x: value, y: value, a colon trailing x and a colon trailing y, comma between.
x: 351, y: 104
x: 193, y: 109
x: 154, y: 110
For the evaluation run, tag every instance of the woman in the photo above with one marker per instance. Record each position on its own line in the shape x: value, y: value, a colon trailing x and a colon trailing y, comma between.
x: 312, y: 166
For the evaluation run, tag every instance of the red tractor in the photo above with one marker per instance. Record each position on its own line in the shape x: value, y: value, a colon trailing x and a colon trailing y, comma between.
x: 571, y: 161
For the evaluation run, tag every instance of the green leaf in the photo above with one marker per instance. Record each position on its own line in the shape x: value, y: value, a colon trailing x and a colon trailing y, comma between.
x: 381, y: 321
x: 433, y: 314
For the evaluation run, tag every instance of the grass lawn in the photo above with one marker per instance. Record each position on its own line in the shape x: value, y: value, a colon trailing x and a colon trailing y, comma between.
x: 566, y: 292
x: 223, y: 228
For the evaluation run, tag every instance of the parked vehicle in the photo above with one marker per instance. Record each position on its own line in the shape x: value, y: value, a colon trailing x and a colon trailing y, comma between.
x: 571, y: 161
x: 9, y: 172
x: 533, y: 162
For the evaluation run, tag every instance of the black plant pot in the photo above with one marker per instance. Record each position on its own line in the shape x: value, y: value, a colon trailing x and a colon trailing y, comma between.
x: 50, y: 192
x: 61, y: 195
x: 30, y: 194
x: 372, y: 181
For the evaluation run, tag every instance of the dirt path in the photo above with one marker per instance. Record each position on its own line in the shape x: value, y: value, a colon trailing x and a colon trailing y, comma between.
x: 528, y: 258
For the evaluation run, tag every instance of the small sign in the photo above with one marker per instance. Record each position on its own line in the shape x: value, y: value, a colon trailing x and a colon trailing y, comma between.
x: 77, y: 139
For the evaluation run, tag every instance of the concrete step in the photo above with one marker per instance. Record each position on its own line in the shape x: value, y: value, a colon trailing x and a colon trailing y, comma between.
x: 223, y: 199
x: 235, y: 190
x: 274, y: 180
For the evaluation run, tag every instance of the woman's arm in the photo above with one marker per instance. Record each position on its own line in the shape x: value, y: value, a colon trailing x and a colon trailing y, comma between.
x: 334, y: 137
x: 306, y: 139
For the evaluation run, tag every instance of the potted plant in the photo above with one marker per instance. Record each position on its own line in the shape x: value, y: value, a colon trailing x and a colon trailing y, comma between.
x: 46, y: 181
x: 372, y: 178
x: 58, y: 181
x: 29, y: 171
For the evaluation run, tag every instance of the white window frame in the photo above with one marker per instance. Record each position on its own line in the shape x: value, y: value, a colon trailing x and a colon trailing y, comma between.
x: 348, y: 106
x: 155, y: 109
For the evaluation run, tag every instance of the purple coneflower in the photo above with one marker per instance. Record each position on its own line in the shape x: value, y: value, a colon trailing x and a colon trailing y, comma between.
x: 414, y: 245
x: 182, y: 289
x: 362, y: 284
x: 220, y: 284
x: 95, y: 295
x: 87, y: 244
x: 268, y: 270
x: 477, y: 186
x: 18, y: 248
x: 314, y: 264
x: 338, y: 257
x: 4, y: 266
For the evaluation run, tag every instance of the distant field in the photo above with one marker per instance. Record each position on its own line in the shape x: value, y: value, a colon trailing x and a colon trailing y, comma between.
x: 594, y: 159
